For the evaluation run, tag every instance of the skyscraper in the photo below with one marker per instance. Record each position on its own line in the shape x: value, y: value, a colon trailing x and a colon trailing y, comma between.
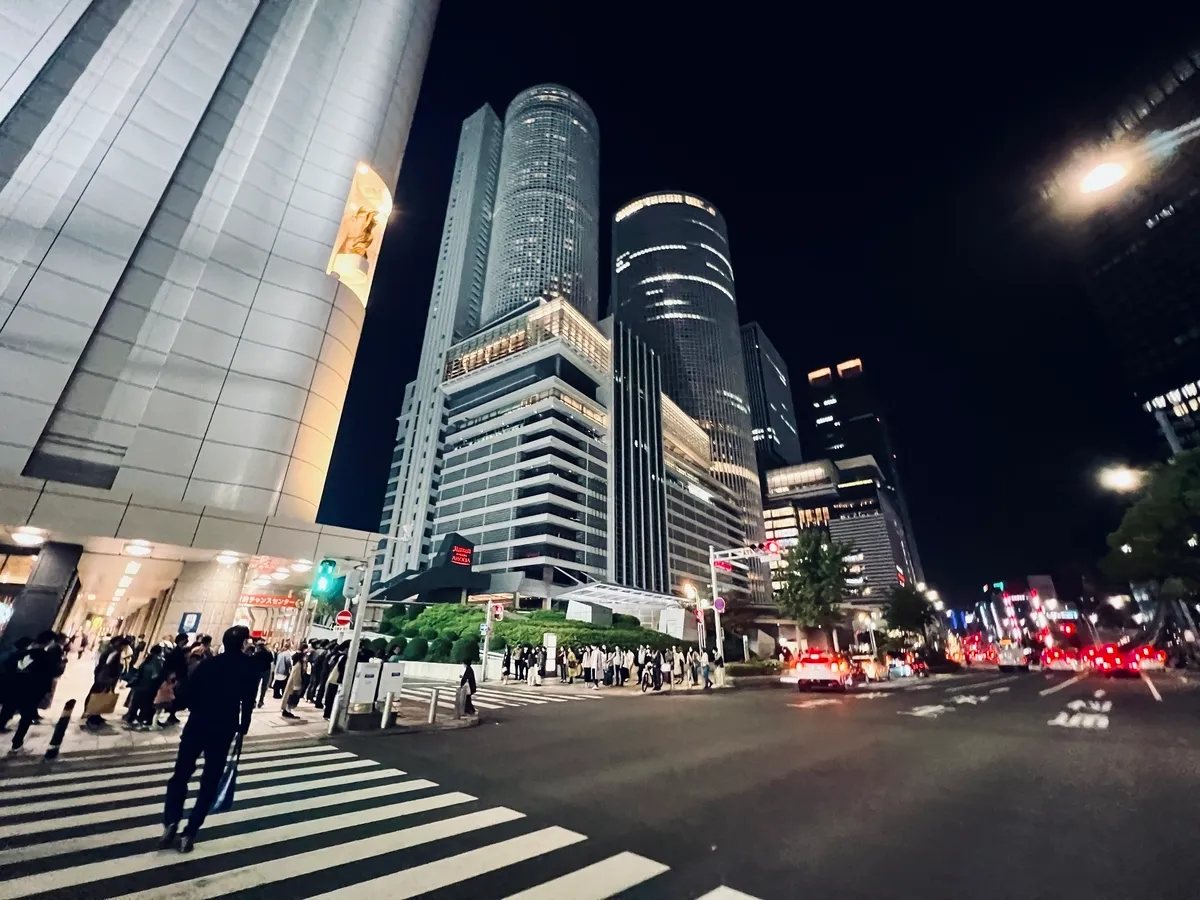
x: 673, y: 285
x: 843, y: 420
x: 178, y: 184
x: 454, y: 309
x: 772, y: 412
x: 1128, y: 207
x: 193, y: 196
x: 545, y: 229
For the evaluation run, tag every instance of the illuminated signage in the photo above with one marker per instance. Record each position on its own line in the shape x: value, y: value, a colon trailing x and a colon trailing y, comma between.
x: 460, y: 555
x: 273, y: 601
x: 723, y: 565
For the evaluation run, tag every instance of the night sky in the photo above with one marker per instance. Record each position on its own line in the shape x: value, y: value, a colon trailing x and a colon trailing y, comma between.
x: 878, y: 179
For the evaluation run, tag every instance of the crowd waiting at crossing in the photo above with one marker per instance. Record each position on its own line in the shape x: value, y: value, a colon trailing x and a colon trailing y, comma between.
x: 602, y: 666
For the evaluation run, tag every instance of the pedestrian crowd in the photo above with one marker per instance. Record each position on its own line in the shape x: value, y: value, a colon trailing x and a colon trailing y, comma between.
x: 603, y: 666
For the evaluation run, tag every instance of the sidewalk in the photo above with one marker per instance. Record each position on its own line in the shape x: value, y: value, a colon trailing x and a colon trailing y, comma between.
x: 266, y: 725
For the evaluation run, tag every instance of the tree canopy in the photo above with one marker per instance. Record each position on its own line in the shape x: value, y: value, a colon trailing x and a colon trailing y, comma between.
x: 1157, y: 538
x: 812, y: 578
x: 907, y: 609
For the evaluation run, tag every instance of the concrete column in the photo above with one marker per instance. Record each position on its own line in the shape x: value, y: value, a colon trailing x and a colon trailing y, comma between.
x: 211, y: 589
x: 52, y: 579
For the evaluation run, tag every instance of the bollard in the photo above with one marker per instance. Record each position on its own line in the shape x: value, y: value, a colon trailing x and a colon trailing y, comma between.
x: 333, y: 713
x: 433, y: 700
x: 60, y: 730
x: 386, y: 719
x: 458, y: 701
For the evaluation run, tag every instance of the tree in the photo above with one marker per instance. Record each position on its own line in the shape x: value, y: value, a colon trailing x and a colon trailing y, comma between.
x: 907, y: 609
x: 812, y: 577
x: 1157, y: 539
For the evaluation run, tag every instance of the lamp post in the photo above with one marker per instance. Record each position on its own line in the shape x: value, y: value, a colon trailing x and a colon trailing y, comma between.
x: 1121, y: 479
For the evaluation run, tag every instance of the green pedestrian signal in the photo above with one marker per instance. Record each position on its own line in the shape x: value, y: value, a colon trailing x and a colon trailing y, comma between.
x: 325, y: 583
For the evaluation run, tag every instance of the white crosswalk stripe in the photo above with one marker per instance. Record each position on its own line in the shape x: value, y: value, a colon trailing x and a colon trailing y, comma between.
x: 299, y: 813
x: 492, y: 697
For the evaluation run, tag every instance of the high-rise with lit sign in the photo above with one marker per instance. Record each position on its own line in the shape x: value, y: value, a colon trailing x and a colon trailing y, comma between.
x: 546, y: 223
x: 672, y: 283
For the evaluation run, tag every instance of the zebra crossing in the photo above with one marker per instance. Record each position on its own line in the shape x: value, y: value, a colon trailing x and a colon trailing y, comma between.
x: 493, y: 698
x: 308, y: 821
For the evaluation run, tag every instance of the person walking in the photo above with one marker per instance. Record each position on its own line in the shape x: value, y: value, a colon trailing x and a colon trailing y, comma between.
x: 315, y: 666
x: 143, y: 688
x: 264, y: 662
x: 221, y: 699
x: 293, y: 687
x: 706, y: 669
x: 572, y: 665
x: 32, y: 674
x: 175, y: 669
x: 506, y: 665
x: 468, y: 681
x: 108, y: 672
x: 83, y: 644
x: 283, y: 669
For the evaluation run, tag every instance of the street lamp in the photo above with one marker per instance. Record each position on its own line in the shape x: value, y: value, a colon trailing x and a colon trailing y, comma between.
x: 1121, y: 479
x: 1102, y: 177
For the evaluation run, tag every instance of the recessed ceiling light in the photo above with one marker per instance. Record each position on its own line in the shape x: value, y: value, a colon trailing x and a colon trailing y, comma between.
x: 227, y: 557
x: 281, y: 574
x: 29, y: 537
x: 133, y: 568
x: 126, y: 581
x: 138, y: 548
x: 301, y: 565
x: 263, y: 580
x: 119, y: 592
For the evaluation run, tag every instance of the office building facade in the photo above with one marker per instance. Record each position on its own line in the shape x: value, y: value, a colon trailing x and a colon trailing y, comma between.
x: 1135, y: 239
x: 772, y: 409
x: 673, y: 285
x: 193, y: 198
x: 849, y: 499
x: 546, y: 231
x: 454, y: 311
x: 637, y: 551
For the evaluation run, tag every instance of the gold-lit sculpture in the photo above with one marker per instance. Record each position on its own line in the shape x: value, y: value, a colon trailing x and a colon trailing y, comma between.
x: 357, y: 245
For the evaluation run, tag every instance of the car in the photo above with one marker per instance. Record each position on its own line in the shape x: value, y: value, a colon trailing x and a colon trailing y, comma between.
x: 868, y: 668
x: 1011, y: 655
x: 819, y: 668
x: 907, y: 663
x: 1062, y: 659
x: 1110, y: 659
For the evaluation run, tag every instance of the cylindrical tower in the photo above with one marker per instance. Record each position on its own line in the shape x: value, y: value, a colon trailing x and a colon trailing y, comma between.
x: 546, y: 222
x: 673, y: 285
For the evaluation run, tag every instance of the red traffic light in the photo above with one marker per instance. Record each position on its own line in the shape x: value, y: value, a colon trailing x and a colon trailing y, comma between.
x: 723, y: 564
x: 771, y: 546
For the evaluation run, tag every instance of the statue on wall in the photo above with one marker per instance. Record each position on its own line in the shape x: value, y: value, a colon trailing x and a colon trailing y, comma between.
x: 361, y: 234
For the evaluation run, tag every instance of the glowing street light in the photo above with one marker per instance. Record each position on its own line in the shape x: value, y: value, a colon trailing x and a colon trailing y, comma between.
x: 1102, y: 177
x: 1121, y: 479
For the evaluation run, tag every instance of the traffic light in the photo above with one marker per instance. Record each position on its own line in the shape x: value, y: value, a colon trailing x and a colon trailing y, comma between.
x: 326, y: 584
x: 767, y: 548
x: 352, y: 583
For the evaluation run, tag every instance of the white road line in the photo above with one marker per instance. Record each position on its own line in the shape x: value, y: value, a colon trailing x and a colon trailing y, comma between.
x: 1058, y: 687
x: 121, y: 866
x: 148, y: 832
x: 139, y: 793
x: 606, y: 878
x: 221, y: 884
x: 455, y: 869
x: 1099, y: 695
x: 999, y: 690
x: 165, y: 766
x: 726, y: 893
x: 24, y: 829
x: 978, y: 684
x: 1153, y: 689
x: 148, y: 777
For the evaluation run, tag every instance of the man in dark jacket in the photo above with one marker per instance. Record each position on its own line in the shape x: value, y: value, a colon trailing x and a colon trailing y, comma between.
x: 32, y: 677
x: 221, y: 699
x: 264, y: 661
x: 176, y: 664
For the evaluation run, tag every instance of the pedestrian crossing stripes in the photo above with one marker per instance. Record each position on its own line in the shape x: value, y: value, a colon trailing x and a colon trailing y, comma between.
x: 313, y: 821
x: 493, y: 698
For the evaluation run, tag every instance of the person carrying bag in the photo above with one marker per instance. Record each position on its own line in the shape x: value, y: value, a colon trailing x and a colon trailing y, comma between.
x: 223, y: 802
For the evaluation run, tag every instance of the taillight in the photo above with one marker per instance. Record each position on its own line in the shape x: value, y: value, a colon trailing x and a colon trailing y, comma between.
x: 1162, y: 656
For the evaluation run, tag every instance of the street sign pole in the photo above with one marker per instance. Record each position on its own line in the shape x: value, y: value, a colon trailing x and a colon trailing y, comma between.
x: 360, y: 613
x: 487, y: 637
x: 712, y: 570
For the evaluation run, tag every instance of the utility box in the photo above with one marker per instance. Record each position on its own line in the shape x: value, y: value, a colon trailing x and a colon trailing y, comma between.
x: 592, y: 613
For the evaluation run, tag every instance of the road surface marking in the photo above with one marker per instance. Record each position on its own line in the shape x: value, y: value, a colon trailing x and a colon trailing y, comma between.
x: 1090, y: 705
x: 454, y: 869
x: 920, y: 687
x: 978, y: 684
x: 300, y: 827
x: 219, y: 884
x: 165, y: 766
x: 726, y: 893
x: 156, y: 791
x: 116, y: 815
x: 999, y: 690
x: 61, y: 789
x: 1064, y: 719
x: 1099, y: 695
x: 150, y: 832
x: 969, y: 699
x: 807, y: 704
x: 1153, y: 689
x: 606, y: 878
x: 1058, y: 687
x: 925, y: 712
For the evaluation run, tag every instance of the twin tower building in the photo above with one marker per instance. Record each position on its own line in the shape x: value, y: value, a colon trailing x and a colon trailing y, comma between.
x: 573, y: 449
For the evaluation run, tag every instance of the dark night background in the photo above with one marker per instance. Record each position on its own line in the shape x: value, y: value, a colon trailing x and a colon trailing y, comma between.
x: 878, y: 176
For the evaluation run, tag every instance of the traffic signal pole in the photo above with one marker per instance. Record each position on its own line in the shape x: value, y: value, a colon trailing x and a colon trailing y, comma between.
x: 712, y: 571
x: 487, y: 637
x: 360, y: 613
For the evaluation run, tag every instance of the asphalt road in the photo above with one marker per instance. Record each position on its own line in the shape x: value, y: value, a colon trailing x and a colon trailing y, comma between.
x: 981, y: 786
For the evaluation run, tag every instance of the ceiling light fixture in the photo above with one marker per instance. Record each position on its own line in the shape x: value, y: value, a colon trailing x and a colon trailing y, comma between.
x: 301, y: 565
x: 227, y: 557
x: 133, y: 568
x: 125, y: 581
x: 138, y: 548
x: 29, y: 537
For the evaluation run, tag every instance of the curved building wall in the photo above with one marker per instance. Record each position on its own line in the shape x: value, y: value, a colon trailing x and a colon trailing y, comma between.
x: 174, y: 178
x: 546, y: 222
x: 673, y: 284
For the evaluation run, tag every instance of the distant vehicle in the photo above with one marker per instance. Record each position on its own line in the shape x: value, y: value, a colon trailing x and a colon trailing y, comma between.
x: 1062, y: 659
x: 819, y: 668
x: 1110, y: 659
x: 1010, y: 655
x: 868, y: 668
x: 906, y: 664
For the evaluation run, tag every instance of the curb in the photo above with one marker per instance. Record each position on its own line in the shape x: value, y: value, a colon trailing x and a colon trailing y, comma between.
x: 417, y: 728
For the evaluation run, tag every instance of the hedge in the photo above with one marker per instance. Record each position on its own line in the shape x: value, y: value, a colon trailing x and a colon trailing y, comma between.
x: 439, y: 650
x: 397, y: 648
x: 412, y: 631
x: 465, y: 650
x: 430, y: 634
x: 416, y: 649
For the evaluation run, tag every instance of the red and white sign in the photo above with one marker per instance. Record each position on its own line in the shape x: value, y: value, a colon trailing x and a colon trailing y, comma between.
x: 719, y: 604
x: 272, y: 601
x: 344, y: 618
x: 460, y: 555
x: 497, y: 611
